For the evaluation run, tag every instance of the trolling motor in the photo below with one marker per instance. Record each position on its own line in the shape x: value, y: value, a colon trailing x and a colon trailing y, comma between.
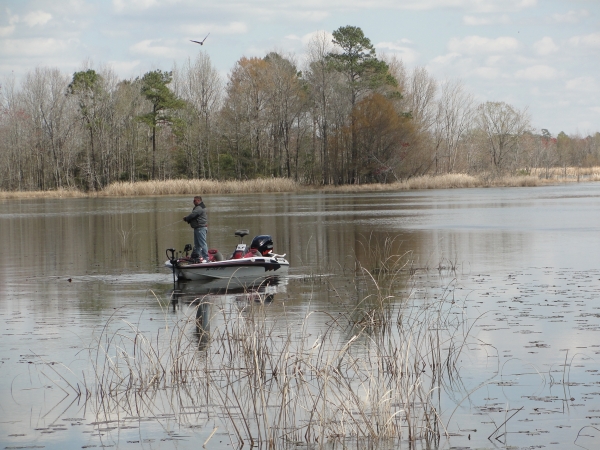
x: 173, y: 260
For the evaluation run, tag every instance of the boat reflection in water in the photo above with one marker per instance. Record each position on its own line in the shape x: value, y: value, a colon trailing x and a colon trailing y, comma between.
x: 204, y: 296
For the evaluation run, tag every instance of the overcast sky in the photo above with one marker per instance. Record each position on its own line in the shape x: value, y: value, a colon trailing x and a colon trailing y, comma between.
x: 540, y: 54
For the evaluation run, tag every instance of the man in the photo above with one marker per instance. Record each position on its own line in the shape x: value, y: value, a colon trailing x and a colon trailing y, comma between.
x: 199, y: 222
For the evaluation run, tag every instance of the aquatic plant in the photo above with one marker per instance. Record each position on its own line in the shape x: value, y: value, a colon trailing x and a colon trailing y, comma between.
x: 371, y: 373
x: 530, y: 177
x: 57, y: 193
x: 196, y: 186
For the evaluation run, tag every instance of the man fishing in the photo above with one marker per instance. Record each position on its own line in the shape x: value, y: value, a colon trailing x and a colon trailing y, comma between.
x: 198, y: 220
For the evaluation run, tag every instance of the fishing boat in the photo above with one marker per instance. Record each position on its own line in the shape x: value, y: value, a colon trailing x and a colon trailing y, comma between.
x: 254, y: 262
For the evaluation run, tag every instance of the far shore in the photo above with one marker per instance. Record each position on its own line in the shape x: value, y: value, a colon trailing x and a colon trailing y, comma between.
x: 534, y: 177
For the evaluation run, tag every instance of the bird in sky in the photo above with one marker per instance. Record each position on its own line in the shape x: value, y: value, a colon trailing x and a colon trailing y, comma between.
x: 200, y: 42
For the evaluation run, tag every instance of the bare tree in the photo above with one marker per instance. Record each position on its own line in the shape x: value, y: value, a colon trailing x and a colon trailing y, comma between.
x: 420, y: 94
x: 200, y: 84
x: 13, y: 137
x: 244, y: 117
x: 455, y: 109
x: 48, y: 111
x: 502, y: 125
x: 322, y: 81
x: 286, y: 105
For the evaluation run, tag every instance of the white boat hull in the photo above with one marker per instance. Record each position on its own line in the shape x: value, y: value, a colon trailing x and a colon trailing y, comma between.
x: 254, y: 267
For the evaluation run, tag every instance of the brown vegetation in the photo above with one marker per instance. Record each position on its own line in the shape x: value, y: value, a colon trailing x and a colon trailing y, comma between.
x: 536, y: 177
x: 568, y: 173
x: 371, y: 371
x: 194, y: 187
x: 58, y: 193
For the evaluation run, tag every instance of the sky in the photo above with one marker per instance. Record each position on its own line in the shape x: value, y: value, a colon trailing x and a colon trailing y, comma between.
x: 543, y: 55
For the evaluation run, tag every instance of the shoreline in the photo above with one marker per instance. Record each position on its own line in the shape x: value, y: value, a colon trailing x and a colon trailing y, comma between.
x: 281, y: 185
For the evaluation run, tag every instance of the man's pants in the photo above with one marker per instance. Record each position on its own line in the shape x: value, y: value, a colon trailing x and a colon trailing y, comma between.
x: 200, y: 247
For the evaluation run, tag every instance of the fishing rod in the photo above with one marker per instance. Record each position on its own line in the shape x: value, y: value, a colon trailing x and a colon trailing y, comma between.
x: 169, y: 225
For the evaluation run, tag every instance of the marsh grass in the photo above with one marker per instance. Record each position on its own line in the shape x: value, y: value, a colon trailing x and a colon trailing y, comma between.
x: 199, y: 186
x: 530, y: 177
x: 58, y: 193
x: 449, y: 181
x: 568, y: 173
x: 371, y: 371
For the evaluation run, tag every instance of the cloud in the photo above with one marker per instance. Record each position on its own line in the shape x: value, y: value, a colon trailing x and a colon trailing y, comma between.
x: 582, y: 84
x: 406, y: 54
x: 204, y: 28
x: 545, y: 46
x: 309, y: 16
x: 32, y: 47
x: 477, y: 21
x: 293, y: 37
x: 446, y: 59
x: 478, y: 45
x: 12, y: 21
x: 538, y: 72
x: 7, y: 31
x: 317, y: 7
x: 321, y: 35
x: 37, y: 18
x: 485, y: 6
x: 124, y: 67
x: 569, y: 17
x: 487, y: 72
x: 155, y: 48
x: 136, y: 5
x: 589, y: 40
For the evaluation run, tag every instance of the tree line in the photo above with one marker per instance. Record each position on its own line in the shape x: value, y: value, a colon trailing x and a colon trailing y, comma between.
x: 347, y: 116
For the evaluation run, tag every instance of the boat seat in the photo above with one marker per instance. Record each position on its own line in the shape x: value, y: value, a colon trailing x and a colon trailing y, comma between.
x: 242, y: 233
x: 215, y: 255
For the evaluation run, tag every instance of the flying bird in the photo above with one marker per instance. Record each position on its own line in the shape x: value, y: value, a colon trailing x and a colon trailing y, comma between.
x: 200, y: 42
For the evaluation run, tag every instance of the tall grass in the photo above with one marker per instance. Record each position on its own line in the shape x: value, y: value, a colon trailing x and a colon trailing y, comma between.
x: 534, y: 177
x: 568, y: 173
x: 447, y: 181
x: 369, y: 372
x: 58, y: 193
x: 199, y: 186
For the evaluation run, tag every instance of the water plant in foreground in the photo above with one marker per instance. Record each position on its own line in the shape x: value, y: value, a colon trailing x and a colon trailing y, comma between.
x: 271, y: 381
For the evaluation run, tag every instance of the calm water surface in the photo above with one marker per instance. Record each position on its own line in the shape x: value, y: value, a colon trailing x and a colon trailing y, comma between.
x: 522, y: 262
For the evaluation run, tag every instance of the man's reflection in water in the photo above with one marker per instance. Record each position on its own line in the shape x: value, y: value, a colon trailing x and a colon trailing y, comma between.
x: 202, y: 323
x: 186, y: 296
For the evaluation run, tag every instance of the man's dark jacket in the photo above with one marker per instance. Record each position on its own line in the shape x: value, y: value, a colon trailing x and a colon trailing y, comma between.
x: 198, y: 216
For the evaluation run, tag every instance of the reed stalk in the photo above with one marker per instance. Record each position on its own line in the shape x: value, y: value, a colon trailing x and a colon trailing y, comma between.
x: 199, y: 186
x: 371, y: 372
x: 526, y: 177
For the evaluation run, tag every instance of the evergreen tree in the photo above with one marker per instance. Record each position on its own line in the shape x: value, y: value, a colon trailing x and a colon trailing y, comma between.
x: 363, y: 72
x: 164, y: 101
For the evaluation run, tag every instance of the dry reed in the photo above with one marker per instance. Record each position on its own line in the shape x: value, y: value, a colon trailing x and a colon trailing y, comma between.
x: 447, y: 181
x: 568, y: 173
x: 533, y: 177
x: 370, y: 372
x: 58, y: 193
x: 199, y: 186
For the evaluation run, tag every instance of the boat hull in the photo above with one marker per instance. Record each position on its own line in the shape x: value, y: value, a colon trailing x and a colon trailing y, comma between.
x: 254, y: 267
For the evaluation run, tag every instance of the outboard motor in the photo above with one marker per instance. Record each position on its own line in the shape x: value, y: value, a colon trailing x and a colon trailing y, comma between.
x: 263, y: 244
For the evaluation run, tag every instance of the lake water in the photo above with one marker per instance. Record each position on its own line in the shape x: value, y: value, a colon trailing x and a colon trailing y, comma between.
x: 521, y: 263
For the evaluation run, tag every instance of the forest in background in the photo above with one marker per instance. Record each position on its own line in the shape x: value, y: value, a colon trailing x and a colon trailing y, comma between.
x: 347, y: 116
